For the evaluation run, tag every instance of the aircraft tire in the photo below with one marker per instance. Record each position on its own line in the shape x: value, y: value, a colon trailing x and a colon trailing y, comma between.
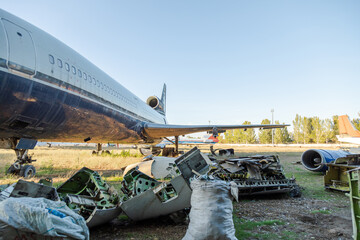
x: 27, y: 171
x: 12, y: 170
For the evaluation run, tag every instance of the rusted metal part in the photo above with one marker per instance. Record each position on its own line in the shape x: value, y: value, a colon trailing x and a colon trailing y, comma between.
x: 336, y: 176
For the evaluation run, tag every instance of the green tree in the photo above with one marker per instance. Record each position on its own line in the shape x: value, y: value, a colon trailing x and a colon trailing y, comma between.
x: 328, y: 130
x: 356, y: 122
x: 305, y: 129
x: 249, y: 134
x: 297, y: 136
x: 317, y: 129
x: 335, y: 120
x: 281, y: 135
x: 265, y: 134
x: 233, y: 136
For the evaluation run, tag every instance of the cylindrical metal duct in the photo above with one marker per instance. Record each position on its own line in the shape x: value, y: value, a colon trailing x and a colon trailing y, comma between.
x: 315, y: 159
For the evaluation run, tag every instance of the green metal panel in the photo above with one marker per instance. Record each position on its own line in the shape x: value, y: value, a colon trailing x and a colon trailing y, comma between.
x: 355, y: 201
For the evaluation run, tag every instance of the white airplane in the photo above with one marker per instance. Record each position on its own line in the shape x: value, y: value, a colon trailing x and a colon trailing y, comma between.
x: 347, y: 132
x: 49, y: 92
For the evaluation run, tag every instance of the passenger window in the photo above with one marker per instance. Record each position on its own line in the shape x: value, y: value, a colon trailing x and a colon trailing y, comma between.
x: 89, y: 79
x: 85, y: 76
x: 67, y: 67
x: 79, y: 73
x: 59, y: 62
x: 94, y: 81
x: 102, y: 85
x: 98, y: 83
x: 73, y: 70
x: 51, y: 59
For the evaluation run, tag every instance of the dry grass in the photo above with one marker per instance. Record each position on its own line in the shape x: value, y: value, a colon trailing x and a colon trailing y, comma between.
x: 61, y: 163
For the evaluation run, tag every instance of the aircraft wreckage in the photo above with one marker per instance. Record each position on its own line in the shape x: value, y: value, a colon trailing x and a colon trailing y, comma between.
x: 158, y: 187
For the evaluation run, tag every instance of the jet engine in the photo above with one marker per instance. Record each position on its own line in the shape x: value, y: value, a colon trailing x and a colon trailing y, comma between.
x: 156, y: 104
x: 316, y: 159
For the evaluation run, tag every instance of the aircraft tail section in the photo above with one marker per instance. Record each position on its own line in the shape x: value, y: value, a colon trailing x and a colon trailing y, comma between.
x: 214, y: 139
x: 158, y: 104
x: 163, y: 98
x: 346, y: 128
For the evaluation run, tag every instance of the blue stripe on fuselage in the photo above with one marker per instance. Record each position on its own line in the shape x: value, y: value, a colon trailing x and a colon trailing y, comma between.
x: 31, y: 109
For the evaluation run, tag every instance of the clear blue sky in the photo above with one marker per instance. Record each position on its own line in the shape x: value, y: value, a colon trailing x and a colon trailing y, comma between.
x: 223, y: 61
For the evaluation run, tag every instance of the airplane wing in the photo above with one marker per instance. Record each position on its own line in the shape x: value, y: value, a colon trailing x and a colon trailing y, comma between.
x: 155, y: 131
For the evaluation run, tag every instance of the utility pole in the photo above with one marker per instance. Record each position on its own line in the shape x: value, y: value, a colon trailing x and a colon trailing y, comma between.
x: 272, y: 130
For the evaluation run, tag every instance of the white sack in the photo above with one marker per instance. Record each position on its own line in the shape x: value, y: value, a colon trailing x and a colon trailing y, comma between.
x: 32, y: 215
x: 211, y: 211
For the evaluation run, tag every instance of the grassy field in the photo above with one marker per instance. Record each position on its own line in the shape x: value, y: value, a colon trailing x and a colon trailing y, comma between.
x: 61, y: 163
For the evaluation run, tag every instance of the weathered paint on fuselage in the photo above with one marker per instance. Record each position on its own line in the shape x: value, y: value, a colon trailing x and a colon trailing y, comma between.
x: 50, y: 92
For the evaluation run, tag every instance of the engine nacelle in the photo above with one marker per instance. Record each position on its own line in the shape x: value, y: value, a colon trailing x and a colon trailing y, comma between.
x: 156, y: 104
x: 315, y: 159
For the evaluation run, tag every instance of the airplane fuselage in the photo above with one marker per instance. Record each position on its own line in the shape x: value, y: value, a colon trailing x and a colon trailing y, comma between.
x: 50, y: 92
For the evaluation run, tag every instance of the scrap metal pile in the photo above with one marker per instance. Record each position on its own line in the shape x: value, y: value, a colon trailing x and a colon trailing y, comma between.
x: 143, y: 195
x: 258, y: 174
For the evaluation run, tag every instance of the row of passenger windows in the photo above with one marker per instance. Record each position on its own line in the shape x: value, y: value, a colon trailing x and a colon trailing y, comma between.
x: 87, y: 77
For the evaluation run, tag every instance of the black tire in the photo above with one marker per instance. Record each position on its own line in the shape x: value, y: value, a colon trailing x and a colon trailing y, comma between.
x: 27, y: 171
x: 12, y: 170
x: 295, y: 192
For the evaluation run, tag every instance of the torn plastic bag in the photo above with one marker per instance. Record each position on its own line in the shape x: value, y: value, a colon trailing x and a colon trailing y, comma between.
x: 43, y: 217
x: 211, y: 211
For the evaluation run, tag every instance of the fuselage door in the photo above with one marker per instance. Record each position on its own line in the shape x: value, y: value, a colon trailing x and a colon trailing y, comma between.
x: 21, y: 48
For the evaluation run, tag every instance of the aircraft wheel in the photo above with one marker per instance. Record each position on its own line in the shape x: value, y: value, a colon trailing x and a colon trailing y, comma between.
x: 27, y: 171
x: 12, y: 170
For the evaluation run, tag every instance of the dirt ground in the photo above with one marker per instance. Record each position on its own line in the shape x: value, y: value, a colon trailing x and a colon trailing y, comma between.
x: 318, y: 214
x: 301, y: 221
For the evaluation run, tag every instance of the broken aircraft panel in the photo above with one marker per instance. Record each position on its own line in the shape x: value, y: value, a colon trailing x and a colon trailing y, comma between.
x: 156, y: 168
x: 145, y: 197
x: 336, y: 175
x: 29, y: 189
x: 165, y: 198
x: 90, y: 196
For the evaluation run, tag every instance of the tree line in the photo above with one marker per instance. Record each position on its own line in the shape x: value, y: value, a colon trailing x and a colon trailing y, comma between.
x: 305, y: 130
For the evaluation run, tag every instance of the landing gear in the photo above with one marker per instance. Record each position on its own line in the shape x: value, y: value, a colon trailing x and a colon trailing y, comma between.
x: 19, y: 167
x: 99, y: 150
